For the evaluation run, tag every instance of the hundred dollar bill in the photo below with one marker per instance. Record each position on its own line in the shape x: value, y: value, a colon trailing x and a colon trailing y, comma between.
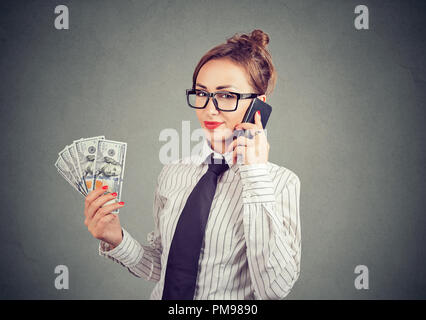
x: 63, y: 169
x: 66, y: 156
x: 86, y: 154
x: 109, y: 167
x: 75, y: 164
x: 73, y: 152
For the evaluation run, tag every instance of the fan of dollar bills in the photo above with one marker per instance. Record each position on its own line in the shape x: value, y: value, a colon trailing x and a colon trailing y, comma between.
x: 92, y: 162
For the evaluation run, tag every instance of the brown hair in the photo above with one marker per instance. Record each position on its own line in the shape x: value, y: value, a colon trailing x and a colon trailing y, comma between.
x: 249, y: 51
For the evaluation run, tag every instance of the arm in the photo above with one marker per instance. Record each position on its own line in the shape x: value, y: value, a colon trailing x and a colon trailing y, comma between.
x: 272, y: 229
x: 141, y: 260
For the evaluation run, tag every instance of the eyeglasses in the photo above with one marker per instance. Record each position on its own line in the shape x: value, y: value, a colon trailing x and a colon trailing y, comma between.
x: 223, y: 100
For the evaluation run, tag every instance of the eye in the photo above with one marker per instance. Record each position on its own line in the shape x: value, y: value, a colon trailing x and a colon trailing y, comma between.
x: 225, y: 95
x: 200, y: 93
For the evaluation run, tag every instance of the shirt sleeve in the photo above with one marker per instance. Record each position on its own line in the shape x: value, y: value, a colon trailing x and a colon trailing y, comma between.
x: 272, y: 228
x: 143, y: 261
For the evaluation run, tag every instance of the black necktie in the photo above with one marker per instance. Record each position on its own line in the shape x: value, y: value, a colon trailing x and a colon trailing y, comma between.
x: 182, y: 262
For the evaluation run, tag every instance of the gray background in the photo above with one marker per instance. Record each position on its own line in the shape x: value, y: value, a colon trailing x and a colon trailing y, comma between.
x: 348, y: 120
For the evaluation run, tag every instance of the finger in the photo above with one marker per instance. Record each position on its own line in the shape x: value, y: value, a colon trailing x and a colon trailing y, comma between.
x: 245, y: 125
x: 240, y: 154
x: 92, y: 195
x: 99, y: 202
x: 231, y: 146
x: 241, y: 140
x: 239, y: 150
x: 107, y: 219
x: 257, y: 120
x: 104, y: 211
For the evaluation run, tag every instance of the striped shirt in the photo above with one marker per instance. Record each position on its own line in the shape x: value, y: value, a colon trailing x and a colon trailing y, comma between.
x: 252, y: 243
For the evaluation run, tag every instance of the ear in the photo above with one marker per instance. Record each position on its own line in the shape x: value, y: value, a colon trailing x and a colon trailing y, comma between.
x: 262, y: 97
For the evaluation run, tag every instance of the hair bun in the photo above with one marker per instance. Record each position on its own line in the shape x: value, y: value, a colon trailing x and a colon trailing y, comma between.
x: 257, y: 38
x: 249, y: 51
x: 260, y: 38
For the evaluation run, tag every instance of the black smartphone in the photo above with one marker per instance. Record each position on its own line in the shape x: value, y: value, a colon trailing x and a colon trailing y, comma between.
x: 265, y: 112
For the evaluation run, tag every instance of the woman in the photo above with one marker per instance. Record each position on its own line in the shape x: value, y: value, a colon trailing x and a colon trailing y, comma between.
x: 251, y: 245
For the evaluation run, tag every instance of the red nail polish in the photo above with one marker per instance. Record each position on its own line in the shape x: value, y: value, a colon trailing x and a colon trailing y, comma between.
x: 258, y: 112
x: 105, y: 187
x: 121, y: 203
x: 114, y: 194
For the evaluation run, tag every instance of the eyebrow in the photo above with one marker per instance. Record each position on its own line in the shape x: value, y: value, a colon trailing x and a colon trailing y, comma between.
x: 218, y: 87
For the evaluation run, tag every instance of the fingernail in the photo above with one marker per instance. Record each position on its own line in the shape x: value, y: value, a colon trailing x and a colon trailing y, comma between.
x: 258, y: 112
x: 105, y: 187
x: 114, y: 194
x: 121, y: 203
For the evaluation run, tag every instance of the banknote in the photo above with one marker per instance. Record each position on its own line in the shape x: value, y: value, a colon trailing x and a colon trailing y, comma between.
x: 109, y: 167
x: 86, y: 154
x: 66, y: 157
x: 89, y: 163
x: 63, y: 169
x: 73, y: 152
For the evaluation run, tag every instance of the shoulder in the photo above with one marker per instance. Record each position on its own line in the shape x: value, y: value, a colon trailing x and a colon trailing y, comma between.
x: 175, y: 167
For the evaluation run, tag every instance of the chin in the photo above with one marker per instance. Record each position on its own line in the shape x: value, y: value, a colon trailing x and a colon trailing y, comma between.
x: 218, y: 134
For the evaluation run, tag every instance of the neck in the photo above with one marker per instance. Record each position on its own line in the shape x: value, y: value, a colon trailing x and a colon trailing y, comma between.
x: 221, y: 145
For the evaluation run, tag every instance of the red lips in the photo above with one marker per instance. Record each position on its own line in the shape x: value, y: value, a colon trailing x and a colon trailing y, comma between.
x: 212, y: 124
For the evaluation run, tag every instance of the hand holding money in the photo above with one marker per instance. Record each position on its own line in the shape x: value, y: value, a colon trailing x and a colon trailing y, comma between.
x: 95, y: 168
x: 99, y: 222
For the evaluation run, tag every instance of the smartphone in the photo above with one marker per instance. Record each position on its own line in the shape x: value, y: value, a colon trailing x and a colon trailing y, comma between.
x: 265, y: 112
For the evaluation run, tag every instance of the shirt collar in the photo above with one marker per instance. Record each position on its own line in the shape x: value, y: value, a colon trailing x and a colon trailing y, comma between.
x: 206, y: 151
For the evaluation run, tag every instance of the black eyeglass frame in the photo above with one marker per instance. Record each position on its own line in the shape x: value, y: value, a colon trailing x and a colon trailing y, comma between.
x: 213, y: 94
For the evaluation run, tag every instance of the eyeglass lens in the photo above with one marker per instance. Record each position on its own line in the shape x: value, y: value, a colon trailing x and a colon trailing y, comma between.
x: 225, y: 100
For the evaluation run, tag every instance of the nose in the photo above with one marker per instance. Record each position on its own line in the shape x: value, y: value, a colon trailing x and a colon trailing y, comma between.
x: 210, y: 108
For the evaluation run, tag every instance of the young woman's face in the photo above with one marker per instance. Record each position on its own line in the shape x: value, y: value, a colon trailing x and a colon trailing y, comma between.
x: 219, y: 73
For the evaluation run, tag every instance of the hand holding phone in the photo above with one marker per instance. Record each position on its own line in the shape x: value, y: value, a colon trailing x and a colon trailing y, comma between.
x: 255, y: 106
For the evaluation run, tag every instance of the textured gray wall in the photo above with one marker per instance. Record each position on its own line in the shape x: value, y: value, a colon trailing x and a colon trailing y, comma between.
x: 348, y: 119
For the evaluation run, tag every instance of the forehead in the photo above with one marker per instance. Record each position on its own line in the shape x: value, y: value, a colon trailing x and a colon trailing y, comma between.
x: 219, y: 72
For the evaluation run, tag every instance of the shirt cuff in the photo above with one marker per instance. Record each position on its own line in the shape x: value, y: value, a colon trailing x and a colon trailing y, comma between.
x: 127, y: 252
x: 257, y: 183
